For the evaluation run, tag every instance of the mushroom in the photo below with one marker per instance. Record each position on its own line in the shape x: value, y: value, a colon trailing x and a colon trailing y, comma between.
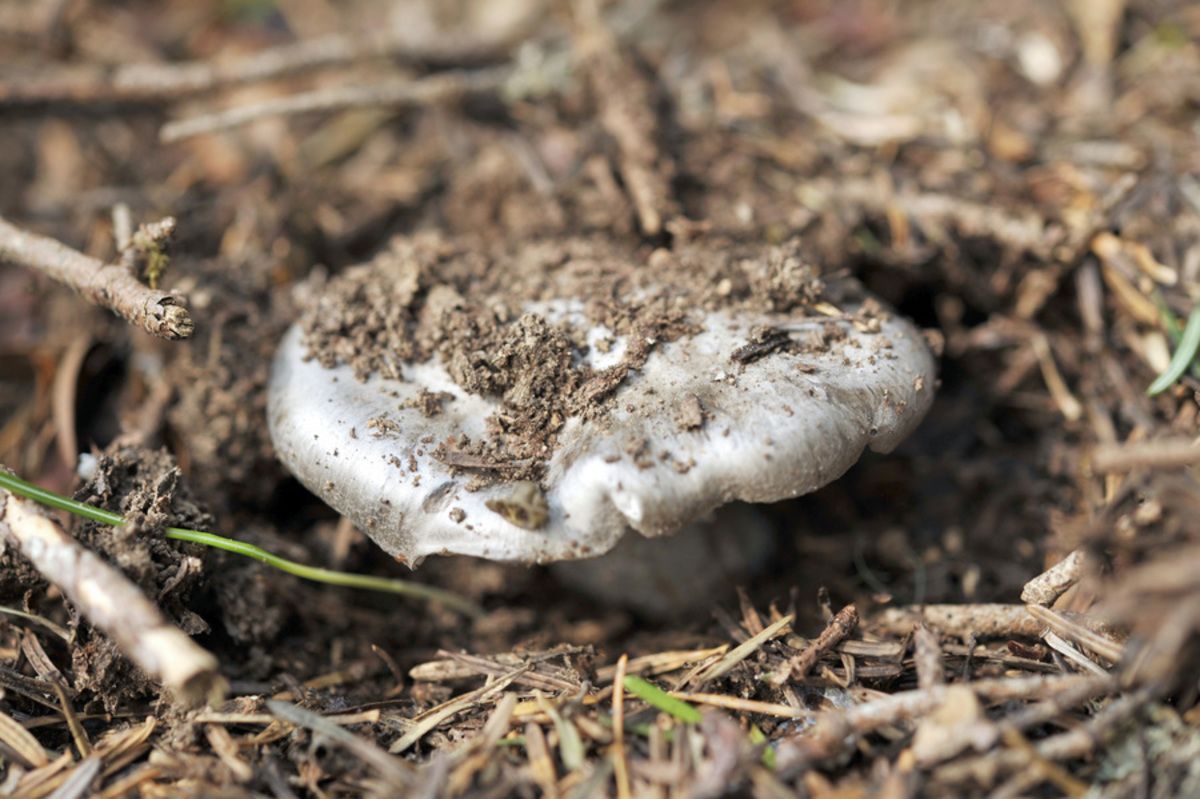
x: 537, y: 404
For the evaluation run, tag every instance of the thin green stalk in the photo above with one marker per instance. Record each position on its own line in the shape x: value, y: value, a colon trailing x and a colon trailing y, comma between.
x: 1185, y: 353
x: 402, y: 587
x: 1171, y: 327
x: 657, y: 697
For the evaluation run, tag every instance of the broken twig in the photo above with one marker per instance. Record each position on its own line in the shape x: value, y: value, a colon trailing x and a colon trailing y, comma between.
x: 110, y: 286
x: 927, y: 658
x: 986, y: 621
x: 1054, y: 582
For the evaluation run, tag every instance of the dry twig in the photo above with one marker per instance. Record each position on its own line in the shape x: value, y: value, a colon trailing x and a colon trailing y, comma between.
x: 735, y: 656
x: 443, y: 87
x: 110, y: 286
x: 431, y: 718
x: 985, y: 621
x: 1054, y: 582
x: 927, y: 658
x: 1075, y: 743
x: 1070, y: 407
x: 1170, y: 453
x: 92, y: 83
x: 620, y: 763
x: 1076, y: 632
x: 395, y: 771
x: 841, y: 626
x: 836, y: 730
x: 626, y: 110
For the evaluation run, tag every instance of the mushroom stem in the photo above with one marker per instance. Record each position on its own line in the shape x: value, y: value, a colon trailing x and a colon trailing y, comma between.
x: 672, y: 575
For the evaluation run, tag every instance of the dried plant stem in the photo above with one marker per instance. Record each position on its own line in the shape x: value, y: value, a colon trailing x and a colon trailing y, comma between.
x: 985, y: 621
x: 396, y: 773
x: 1054, y: 582
x: 626, y: 110
x: 150, y: 82
x: 442, y: 87
x: 836, y: 730
x: 111, y: 602
x: 934, y: 213
x: 1077, y: 631
x: 1163, y: 453
x: 110, y: 286
x: 1074, y: 743
x: 1070, y: 407
x: 719, y: 668
x: 927, y: 658
x: 619, y: 758
x: 841, y: 626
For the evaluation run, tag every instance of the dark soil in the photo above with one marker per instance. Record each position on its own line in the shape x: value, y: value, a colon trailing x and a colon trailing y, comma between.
x: 1019, y: 178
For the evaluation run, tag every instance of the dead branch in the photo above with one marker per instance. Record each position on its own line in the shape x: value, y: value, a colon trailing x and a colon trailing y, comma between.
x: 1167, y: 453
x: 148, y: 83
x: 107, y: 285
x: 111, y: 602
x: 443, y: 87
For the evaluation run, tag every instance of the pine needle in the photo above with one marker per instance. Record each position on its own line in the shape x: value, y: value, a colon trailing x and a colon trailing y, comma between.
x: 655, y: 696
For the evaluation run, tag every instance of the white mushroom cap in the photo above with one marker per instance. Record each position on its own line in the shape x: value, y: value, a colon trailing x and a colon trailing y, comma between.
x: 692, y: 430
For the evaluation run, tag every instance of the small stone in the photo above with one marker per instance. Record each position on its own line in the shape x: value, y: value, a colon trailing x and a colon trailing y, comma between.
x: 691, y: 413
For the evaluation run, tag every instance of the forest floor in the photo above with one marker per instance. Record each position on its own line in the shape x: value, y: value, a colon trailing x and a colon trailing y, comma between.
x: 1022, y: 179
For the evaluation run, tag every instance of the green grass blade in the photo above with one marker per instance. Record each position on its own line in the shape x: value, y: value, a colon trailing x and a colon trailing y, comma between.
x: 1185, y: 353
x: 58, y: 501
x: 1170, y: 326
x: 316, y: 573
x: 1168, y: 320
x: 655, y: 696
x: 757, y: 736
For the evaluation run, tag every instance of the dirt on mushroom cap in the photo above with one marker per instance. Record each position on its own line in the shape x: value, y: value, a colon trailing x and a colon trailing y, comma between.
x: 431, y: 295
